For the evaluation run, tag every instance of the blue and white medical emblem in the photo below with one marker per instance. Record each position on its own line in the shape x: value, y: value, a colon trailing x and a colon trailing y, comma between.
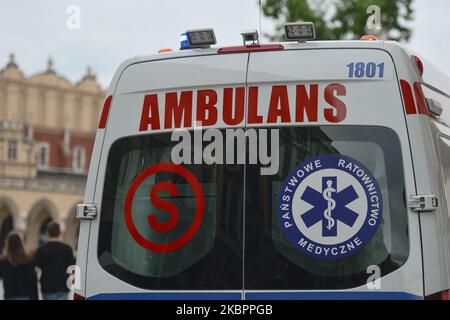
x: 330, y: 206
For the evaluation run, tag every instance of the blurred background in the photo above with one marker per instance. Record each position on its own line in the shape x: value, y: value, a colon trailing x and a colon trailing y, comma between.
x: 57, y: 58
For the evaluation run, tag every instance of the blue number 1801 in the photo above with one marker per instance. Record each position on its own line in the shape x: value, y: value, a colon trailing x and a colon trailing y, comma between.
x: 369, y: 70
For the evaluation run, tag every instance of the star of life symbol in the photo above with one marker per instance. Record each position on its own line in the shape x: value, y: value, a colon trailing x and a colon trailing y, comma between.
x: 329, y: 207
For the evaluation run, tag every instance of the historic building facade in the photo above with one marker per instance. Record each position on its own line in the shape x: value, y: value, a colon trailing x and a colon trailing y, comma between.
x: 47, y: 128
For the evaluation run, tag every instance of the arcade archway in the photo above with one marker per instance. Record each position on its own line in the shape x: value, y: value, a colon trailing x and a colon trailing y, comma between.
x: 41, y: 214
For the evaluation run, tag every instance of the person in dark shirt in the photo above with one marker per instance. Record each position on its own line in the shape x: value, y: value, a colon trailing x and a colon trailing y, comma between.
x: 17, y: 271
x: 53, y: 258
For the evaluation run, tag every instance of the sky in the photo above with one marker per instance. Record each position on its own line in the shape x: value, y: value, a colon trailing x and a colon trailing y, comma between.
x: 112, y: 31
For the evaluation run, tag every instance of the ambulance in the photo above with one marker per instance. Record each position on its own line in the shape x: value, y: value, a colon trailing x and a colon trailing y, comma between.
x: 335, y: 183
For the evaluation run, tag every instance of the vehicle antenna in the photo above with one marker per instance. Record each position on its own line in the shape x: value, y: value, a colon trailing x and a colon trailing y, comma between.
x: 260, y: 19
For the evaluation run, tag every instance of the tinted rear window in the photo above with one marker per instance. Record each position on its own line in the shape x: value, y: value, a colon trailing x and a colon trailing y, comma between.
x: 240, y: 243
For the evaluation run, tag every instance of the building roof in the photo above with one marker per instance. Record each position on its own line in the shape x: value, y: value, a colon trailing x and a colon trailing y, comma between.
x: 51, y: 78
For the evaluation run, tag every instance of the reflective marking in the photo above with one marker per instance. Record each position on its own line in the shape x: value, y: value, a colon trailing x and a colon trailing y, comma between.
x: 331, y: 295
x: 408, y: 98
x: 267, y: 295
x: 169, y: 296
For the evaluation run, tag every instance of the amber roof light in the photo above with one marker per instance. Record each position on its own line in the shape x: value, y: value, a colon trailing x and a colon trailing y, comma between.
x: 368, y: 37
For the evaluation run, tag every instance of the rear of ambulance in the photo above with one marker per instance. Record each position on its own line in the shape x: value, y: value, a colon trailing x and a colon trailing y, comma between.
x: 326, y: 218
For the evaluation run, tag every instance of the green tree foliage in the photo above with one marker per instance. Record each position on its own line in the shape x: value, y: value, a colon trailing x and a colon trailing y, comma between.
x: 341, y: 19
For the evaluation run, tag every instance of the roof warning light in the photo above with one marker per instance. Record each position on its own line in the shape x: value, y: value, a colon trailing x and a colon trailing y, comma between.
x: 198, y: 38
x: 300, y: 31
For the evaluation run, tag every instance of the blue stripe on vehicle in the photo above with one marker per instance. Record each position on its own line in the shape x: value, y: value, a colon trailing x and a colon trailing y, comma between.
x: 169, y: 296
x: 331, y: 295
x: 266, y: 295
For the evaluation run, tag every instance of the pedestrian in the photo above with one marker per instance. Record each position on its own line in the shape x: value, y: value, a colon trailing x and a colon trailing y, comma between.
x: 17, y: 271
x: 53, y: 258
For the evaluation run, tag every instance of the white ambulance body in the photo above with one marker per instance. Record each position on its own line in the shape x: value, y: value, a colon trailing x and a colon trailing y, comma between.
x: 363, y: 101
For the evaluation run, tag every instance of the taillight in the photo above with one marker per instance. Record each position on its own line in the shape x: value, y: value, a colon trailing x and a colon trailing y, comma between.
x: 76, y: 296
x: 105, y: 113
x: 442, y: 295
x: 419, y: 64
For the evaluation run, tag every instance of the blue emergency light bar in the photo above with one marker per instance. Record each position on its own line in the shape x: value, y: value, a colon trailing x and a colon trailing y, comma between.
x: 184, y: 43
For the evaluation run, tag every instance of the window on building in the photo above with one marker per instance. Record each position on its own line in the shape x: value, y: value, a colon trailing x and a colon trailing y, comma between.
x: 12, y: 150
x: 43, y: 156
x: 79, y: 159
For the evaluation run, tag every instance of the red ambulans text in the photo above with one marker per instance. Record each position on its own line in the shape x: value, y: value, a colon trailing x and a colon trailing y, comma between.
x: 183, y: 109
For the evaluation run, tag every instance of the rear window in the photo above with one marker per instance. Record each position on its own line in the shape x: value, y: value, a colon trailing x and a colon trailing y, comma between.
x: 282, y: 266
x: 211, y: 259
x: 240, y: 243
